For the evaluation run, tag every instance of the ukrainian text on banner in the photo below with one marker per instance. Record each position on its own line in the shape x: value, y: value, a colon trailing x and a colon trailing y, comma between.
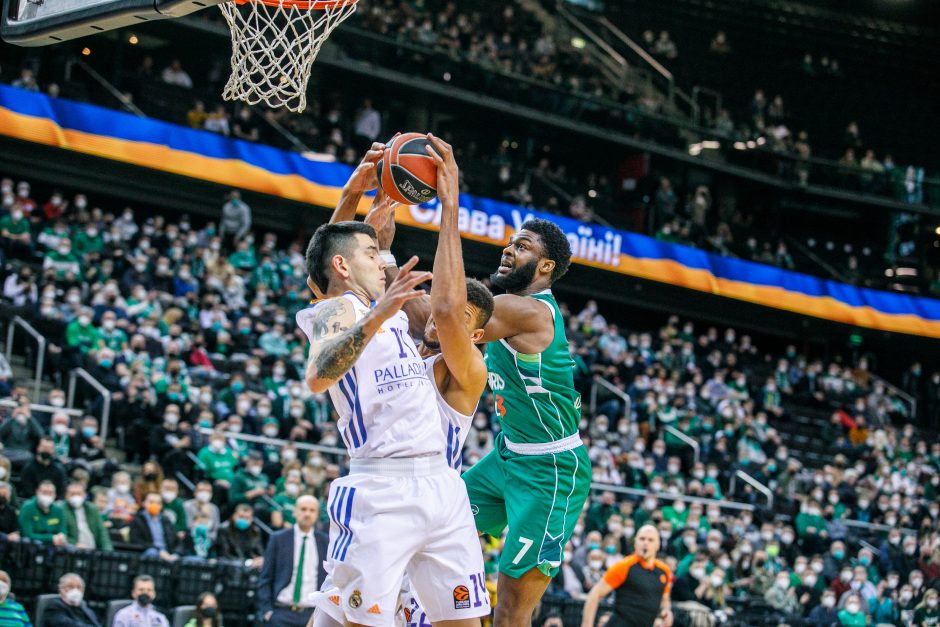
x: 199, y: 154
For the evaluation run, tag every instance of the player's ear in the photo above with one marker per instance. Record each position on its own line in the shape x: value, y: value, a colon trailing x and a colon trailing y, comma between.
x: 477, y: 336
x: 339, y: 266
x: 546, y: 266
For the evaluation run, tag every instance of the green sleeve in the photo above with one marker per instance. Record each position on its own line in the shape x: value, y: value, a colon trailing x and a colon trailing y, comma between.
x: 27, y: 528
x: 95, y: 523
x: 239, y: 486
x: 73, y: 335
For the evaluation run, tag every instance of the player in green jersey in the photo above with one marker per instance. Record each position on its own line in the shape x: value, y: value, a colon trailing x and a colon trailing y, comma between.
x: 536, y: 480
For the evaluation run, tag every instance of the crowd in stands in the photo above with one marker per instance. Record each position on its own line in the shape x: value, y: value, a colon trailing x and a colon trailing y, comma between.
x: 190, y: 326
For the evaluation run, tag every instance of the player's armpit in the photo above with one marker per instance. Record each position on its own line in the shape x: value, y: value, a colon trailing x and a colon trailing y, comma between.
x: 336, y: 341
x: 513, y: 315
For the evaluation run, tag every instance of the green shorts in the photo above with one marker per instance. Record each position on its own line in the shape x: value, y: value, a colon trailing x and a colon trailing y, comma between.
x: 539, y: 497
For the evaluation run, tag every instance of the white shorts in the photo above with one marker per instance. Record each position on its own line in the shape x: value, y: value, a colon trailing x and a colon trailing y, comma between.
x: 389, y: 515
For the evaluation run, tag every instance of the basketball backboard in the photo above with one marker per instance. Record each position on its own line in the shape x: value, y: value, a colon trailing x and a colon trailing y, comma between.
x: 44, y: 22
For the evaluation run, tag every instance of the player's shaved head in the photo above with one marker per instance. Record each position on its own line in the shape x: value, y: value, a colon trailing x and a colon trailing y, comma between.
x: 646, y: 542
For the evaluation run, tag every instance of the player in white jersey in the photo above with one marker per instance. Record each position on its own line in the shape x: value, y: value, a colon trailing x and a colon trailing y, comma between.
x: 402, y: 505
x: 457, y: 374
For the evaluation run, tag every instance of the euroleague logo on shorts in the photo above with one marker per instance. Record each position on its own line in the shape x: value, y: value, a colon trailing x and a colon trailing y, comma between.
x: 461, y: 598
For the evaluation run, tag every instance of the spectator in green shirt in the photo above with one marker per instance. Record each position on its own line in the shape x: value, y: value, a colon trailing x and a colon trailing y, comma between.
x: 41, y: 519
x: 243, y: 258
x: 273, y: 342
x: 250, y: 483
x: 851, y: 614
x: 811, y: 526
x: 89, y: 241
x: 219, y: 461
x: 927, y: 613
x: 63, y: 262
x: 80, y: 334
x: 15, y: 237
x: 287, y: 499
x: 12, y: 613
x: 109, y: 336
x: 173, y: 504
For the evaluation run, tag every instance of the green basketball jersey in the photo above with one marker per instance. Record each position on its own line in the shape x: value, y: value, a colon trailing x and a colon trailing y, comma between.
x: 535, y: 397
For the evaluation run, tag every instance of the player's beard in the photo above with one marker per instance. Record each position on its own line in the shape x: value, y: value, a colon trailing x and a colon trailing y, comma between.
x: 517, y: 280
x: 434, y: 347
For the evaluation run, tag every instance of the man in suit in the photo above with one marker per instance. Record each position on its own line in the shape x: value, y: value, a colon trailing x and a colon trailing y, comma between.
x: 69, y: 610
x: 293, y: 569
x: 152, y: 530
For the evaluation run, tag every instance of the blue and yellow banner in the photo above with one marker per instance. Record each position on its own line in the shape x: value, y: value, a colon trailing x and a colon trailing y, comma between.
x: 199, y: 154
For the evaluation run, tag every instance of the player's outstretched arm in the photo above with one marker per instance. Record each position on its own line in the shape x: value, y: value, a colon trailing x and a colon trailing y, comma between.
x: 362, y: 180
x: 337, y: 339
x: 449, y: 294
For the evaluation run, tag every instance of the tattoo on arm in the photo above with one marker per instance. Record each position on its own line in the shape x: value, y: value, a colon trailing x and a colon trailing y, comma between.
x: 340, y: 346
x: 337, y: 356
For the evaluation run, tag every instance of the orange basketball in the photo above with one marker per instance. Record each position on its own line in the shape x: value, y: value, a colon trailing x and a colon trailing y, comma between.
x: 406, y: 171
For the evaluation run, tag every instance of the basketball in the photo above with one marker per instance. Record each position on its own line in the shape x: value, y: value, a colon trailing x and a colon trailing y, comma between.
x: 406, y: 172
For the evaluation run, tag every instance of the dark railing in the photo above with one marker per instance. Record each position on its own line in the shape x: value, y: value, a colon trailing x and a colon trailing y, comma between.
x: 35, y: 569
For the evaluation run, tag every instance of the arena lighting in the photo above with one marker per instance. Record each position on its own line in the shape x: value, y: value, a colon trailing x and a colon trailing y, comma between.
x: 906, y: 272
x: 578, y: 42
x: 132, y: 40
x: 761, y: 141
x: 86, y: 51
x: 446, y: 77
x: 740, y: 146
x: 889, y: 273
x: 937, y: 230
x: 752, y: 144
x: 592, y: 193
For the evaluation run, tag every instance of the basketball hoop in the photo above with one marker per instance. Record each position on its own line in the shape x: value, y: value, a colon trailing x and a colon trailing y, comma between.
x: 274, y: 45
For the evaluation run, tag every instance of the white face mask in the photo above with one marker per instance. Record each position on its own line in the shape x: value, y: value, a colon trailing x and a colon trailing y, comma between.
x: 74, y: 597
x: 4, y: 589
x: 717, y: 580
x: 45, y: 500
x: 596, y: 564
x: 168, y: 497
x: 76, y: 501
x: 829, y: 602
x: 203, y: 497
x: 851, y: 608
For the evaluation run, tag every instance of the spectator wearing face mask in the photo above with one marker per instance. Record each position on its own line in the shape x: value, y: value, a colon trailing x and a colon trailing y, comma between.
x: 173, y: 505
x: 80, y: 334
x: 20, y: 432
x: 286, y: 499
x: 41, y: 519
x: 83, y: 524
x: 240, y: 539
x: 207, y: 612
x: 927, y: 613
x: 152, y: 531
x: 825, y: 614
x: 43, y: 467
x: 851, y: 614
x: 250, y: 483
x: 201, y: 504
x: 219, y: 461
x: 15, y: 236
x: 141, y: 613
x: 70, y: 609
x: 781, y: 595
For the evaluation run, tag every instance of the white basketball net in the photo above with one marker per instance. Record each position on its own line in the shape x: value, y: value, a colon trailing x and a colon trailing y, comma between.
x: 274, y: 47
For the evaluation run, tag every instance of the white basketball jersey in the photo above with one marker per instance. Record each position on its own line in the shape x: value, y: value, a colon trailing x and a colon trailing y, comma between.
x: 387, y: 406
x: 455, y: 425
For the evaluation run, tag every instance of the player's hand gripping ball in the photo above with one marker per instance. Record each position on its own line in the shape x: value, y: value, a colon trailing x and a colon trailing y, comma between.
x: 406, y: 171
